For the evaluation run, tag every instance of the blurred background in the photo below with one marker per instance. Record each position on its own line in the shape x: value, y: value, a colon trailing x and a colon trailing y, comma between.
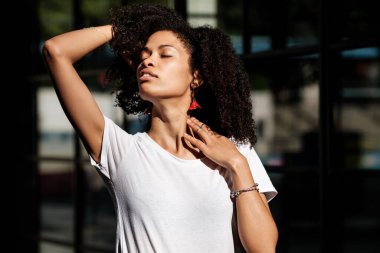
x: 314, y: 67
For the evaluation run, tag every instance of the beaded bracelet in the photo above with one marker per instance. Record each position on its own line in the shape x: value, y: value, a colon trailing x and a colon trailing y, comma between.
x: 235, y: 194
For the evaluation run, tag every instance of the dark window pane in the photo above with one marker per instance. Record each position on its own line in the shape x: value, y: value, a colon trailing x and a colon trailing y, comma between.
x: 359, y: 220
x: 285, y: 101
x: 96, y: 12
x: 298, y: 224
x: 55, y: 17
x: 100, y: 222
x: 353, y: 20
x: 57, y: 210
x: 270, y: 24
x: 357, y: 115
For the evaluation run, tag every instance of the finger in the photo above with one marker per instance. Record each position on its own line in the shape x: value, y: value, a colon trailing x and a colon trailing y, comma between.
x: 196, y: 142
x: 198, y: 127
x: 202, y: 126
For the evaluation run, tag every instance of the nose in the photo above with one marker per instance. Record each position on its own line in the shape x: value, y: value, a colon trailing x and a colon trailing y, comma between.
x: 148, y: 62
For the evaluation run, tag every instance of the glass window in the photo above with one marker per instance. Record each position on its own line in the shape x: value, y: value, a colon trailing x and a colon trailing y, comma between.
x: 56, y: 135
x: 46, y: 247
x: 201, y: 12
x: 357, y: 115
x: 285, y: 100
x: 285, y: 96
x: 270, y: 25
x: 96, y: 12
x: 100, y: 223
x: 353, y: 21
x: 55, y: 17
x: 57, y: 208
x: 359, y: 220
x: 302, y: 22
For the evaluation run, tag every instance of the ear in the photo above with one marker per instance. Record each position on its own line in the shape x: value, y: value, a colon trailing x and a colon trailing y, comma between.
x: 197, y: 80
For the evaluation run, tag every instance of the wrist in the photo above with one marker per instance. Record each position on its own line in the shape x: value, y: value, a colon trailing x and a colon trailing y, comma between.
x: 237, y: 163
x: 241, y: 174
x: 105, y: 31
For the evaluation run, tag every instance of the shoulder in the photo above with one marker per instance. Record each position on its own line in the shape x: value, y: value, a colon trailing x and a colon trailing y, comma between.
x: 111, y: 125
x: 114, y: 133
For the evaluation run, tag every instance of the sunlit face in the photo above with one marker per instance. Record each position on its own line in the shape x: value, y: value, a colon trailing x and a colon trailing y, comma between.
x: 164, y: 71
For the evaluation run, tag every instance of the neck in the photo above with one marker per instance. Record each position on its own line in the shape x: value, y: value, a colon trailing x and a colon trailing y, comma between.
x: 167, y: 129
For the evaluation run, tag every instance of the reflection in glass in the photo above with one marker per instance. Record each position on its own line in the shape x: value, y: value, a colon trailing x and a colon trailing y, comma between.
x: 100, y: 222
x: 285, y: 99
x: 292, y: 23
x: 56, y: 185
x: 46, y: 247
x: 56, y: 134
x: 360, y: 221
x: 55, y: 17
x: 357, y: 113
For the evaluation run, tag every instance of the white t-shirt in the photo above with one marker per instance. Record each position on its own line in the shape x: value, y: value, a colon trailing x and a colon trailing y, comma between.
x: 166, y: 204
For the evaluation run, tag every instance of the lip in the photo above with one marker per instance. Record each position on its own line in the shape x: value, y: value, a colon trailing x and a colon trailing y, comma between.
x: 146, y: 75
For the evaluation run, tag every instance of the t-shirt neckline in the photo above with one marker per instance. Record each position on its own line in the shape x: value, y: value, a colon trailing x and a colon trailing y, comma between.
x: 167, y: 153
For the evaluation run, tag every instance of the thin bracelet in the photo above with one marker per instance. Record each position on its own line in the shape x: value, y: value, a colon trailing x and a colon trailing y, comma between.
x: 235, y: 194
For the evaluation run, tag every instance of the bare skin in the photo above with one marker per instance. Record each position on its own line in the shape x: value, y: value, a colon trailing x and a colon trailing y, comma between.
x: 166, y: 80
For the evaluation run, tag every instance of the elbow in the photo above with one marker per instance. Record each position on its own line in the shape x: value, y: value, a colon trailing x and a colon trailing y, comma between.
x: 267, y: 248
x: 267, y: 244
x: 273, y: 245
x: 51, y: 50
x: 272, y: 241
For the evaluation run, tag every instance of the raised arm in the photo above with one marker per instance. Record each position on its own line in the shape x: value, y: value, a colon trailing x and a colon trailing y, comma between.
x: 60, y: 54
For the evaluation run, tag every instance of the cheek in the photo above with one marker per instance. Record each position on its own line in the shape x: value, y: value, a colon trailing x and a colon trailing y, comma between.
x: 179, y: 74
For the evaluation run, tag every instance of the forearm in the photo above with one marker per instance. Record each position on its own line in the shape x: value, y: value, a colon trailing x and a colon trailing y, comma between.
x: 75, y: 44
x: 256, y: 227
x: 60, y: 53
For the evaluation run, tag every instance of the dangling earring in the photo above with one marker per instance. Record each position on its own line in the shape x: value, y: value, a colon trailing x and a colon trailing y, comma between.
x: 194, y: 105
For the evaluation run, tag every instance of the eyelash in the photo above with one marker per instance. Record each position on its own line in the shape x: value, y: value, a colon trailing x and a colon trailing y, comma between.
x: 162, y: 56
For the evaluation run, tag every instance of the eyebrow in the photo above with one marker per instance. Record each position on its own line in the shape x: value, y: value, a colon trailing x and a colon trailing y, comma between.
x: 162, y: 46
x: 146, y: 49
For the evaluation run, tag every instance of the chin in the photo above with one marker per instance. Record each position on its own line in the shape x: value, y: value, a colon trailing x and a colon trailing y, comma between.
x: 148, y: 95
x: 153, y: 93
x: 145, y: 90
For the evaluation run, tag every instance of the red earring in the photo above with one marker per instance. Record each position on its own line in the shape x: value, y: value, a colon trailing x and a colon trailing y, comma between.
x: 194, y: 105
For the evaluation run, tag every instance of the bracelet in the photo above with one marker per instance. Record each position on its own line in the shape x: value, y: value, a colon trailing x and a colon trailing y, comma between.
x: 235, y: 194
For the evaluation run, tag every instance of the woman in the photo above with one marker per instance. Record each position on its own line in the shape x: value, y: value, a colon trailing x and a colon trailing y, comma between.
x: 174, y: 186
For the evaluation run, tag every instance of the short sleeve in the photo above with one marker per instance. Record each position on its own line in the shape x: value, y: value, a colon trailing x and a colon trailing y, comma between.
x: 259, y: 172
x: 115, y: 144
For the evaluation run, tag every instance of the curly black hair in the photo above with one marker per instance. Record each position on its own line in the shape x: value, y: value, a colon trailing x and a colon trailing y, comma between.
x: 225, y: 93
